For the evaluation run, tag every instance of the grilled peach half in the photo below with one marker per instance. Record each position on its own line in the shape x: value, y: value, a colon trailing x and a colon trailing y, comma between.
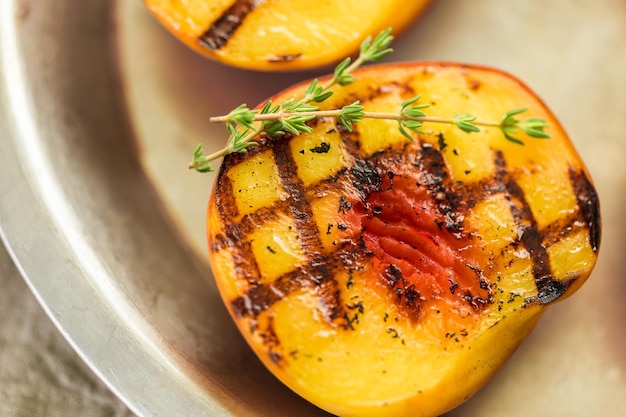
x: 376, y: 276
x: 280, y: 34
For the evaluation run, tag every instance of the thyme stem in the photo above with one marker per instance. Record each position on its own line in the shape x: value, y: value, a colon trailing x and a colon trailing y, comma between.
x: 244, y: 124
x: 365, y: 115
x: 209, y: 158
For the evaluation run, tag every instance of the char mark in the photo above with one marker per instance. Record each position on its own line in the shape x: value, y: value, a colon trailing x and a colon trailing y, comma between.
x: 318, y: 273
x: 367, y: 180
x: 451, y: 201
x: 302, y: 214
x: 299, y: 206
x: 548, y: 289
x: 588, y: 204
x: 227, y: 24
x: 285, y: 58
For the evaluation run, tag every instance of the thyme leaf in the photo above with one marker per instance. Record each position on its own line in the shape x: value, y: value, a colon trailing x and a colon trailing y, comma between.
x: 291, y: 117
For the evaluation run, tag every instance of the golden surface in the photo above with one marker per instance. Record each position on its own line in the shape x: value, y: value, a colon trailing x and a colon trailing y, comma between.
x: 286, y: 34
x: 385, y: 363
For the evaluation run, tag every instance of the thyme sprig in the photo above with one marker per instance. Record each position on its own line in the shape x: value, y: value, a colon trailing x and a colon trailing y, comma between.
x: 291, y: 116
x: 245, y: 124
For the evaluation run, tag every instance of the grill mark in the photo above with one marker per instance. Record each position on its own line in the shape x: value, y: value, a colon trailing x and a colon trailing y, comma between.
x: 365, y: 177
x: 224, y: 196
x: 302, y: 214
x: 330, y: 295
x: 285, y: 58
x: 327, y: 184
x: 299, y: 206
x: 222, y: 29
x: 312, y: 274
x: 451, y: 202
x: 588, y: 204
x: 234, y: 237
x: 560, y: 229
x: 272, y: 341
x: 350, y: 141
x: 455, y: 199
x: 319, y: 269
x: 226, y: 207
x: 548, y: 289
x: 262, y: 296
x: 234, y: 232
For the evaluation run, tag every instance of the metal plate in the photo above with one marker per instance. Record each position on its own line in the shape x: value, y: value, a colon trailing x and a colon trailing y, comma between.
x: 100, y: 109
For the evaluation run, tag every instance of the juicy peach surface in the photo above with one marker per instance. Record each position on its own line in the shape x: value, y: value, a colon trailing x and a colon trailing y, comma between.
x: 280, y: 34
x: 376, y: 276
